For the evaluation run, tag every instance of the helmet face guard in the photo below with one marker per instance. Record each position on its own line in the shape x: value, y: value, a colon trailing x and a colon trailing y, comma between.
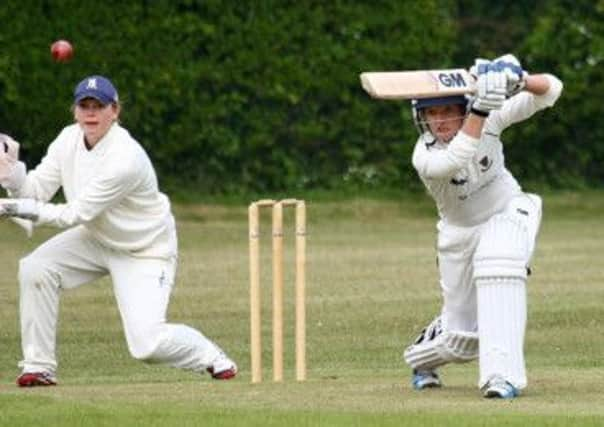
x: 418, y: 106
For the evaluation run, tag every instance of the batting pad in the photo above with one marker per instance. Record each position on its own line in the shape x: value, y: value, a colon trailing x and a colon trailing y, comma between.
x: 449, y: 346
x: 503, y: 250
x: 501, y: 327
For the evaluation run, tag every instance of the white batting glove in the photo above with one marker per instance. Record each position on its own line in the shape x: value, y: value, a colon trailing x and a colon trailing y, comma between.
x: 481, y: 66
x: 515, y: 75
x: 509, y: 58
x: 12, y: 173
x: 490, y: 94
x: 20, y: 208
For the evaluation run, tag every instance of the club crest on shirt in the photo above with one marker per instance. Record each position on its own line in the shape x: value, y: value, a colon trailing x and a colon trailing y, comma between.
x: 460, y: 181
x: 486, y: 164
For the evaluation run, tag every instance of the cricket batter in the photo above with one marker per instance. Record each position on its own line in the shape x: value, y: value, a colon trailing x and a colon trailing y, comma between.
x: 487, y: 228
x: 117, y: 223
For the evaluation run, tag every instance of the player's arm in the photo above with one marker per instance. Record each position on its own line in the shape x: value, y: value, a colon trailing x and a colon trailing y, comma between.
x: 104, y: 191
x: 537, y: 84
x: 439, y: 164
x: 540, y: 91
x: 528, y: 93
x: 473, y: 125
x: 547, y: 88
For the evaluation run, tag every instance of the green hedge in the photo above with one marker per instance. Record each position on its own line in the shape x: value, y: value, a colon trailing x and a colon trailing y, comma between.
x: 262, y: 96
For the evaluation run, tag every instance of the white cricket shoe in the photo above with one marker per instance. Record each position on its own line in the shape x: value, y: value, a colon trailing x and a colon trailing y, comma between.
x: 499, y: 388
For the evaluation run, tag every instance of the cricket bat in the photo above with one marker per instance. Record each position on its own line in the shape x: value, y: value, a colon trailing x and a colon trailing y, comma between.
x: 417, y: 84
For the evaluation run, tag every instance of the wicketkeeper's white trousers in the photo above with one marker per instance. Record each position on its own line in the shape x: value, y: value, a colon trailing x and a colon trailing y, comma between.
x: 142, y: 288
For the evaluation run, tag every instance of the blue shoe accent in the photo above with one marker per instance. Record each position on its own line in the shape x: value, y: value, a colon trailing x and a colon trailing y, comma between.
x: 425, y: 379
x: 499, y: 388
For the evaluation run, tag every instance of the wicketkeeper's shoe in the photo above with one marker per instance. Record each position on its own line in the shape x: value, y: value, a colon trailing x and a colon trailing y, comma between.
x: 425, y: 379
x: 32, y: 379
x: 227, y: 374
x: 223, y: 368
x: 499, y: 388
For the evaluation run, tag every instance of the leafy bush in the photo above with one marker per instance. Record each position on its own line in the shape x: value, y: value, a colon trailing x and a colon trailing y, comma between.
x: 229, y: 97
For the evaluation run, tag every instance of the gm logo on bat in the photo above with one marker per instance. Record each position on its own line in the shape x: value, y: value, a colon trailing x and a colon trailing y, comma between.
x: 452, y: 80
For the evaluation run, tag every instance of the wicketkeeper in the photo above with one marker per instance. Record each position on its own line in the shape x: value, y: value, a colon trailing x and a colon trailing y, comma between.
x: 118, y: 224
x: 487, y: 228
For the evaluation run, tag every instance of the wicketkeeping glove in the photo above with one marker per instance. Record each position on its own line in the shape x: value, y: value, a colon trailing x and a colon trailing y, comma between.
x: 20, y: 208
x: 12, y: 172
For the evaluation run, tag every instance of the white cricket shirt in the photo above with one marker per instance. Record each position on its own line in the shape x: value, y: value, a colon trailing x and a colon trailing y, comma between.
x: 467, y: 177
x: 112, y: 190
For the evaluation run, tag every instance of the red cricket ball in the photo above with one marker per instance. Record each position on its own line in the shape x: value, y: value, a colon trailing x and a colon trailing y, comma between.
x: 61, y: 51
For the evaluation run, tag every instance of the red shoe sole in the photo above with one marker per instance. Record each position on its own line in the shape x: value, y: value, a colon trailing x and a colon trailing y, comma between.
x: 33, y: 379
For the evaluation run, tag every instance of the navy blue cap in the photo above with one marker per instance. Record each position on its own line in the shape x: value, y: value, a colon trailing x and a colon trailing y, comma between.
x: 97, y: 87
x: 443, y: 100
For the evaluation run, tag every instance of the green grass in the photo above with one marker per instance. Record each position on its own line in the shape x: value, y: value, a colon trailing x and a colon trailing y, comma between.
x: 371, y: 284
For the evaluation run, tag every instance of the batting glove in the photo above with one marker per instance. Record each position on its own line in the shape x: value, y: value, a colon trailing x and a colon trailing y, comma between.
x: 481, y: 66
x: 490, y: 93
x: 515, y: 75
x: 20, y: 208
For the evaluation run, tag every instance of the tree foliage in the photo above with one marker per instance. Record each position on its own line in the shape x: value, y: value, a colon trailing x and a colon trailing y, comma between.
x: 231, y: 97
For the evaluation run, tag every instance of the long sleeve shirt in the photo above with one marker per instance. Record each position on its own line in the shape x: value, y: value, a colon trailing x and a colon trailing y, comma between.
x: 111, y: 190
x: 467, y: 177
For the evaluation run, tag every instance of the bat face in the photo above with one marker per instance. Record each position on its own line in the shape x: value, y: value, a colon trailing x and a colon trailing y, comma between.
x: 417, y: 84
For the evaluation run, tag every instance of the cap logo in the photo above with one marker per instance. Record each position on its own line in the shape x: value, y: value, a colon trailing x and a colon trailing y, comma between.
x: 91, y: 84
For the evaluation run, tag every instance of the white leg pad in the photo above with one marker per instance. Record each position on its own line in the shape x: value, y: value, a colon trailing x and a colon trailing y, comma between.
x: 503, y: 250
x: 500, y: 271
x: 435, y: 347
x: 501, y: 327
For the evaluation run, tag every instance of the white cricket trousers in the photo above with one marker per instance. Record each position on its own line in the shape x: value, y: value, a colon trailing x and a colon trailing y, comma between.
x: 495, y: 303
x: 142, y: 288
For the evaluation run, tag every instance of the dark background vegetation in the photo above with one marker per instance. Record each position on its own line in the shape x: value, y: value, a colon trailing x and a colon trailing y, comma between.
x: 249, y: 97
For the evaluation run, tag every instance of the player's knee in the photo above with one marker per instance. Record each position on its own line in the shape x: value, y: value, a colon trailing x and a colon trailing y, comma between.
x: 503, y: 250
x: 145, y: 344
x: 33, y: 271
x: 142, y: 353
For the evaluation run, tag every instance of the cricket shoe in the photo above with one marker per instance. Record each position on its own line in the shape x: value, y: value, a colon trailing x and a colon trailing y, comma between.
x: 425, y: 379
x: 223, y: 368
x: 499, y: 388
x: 33, y: 379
